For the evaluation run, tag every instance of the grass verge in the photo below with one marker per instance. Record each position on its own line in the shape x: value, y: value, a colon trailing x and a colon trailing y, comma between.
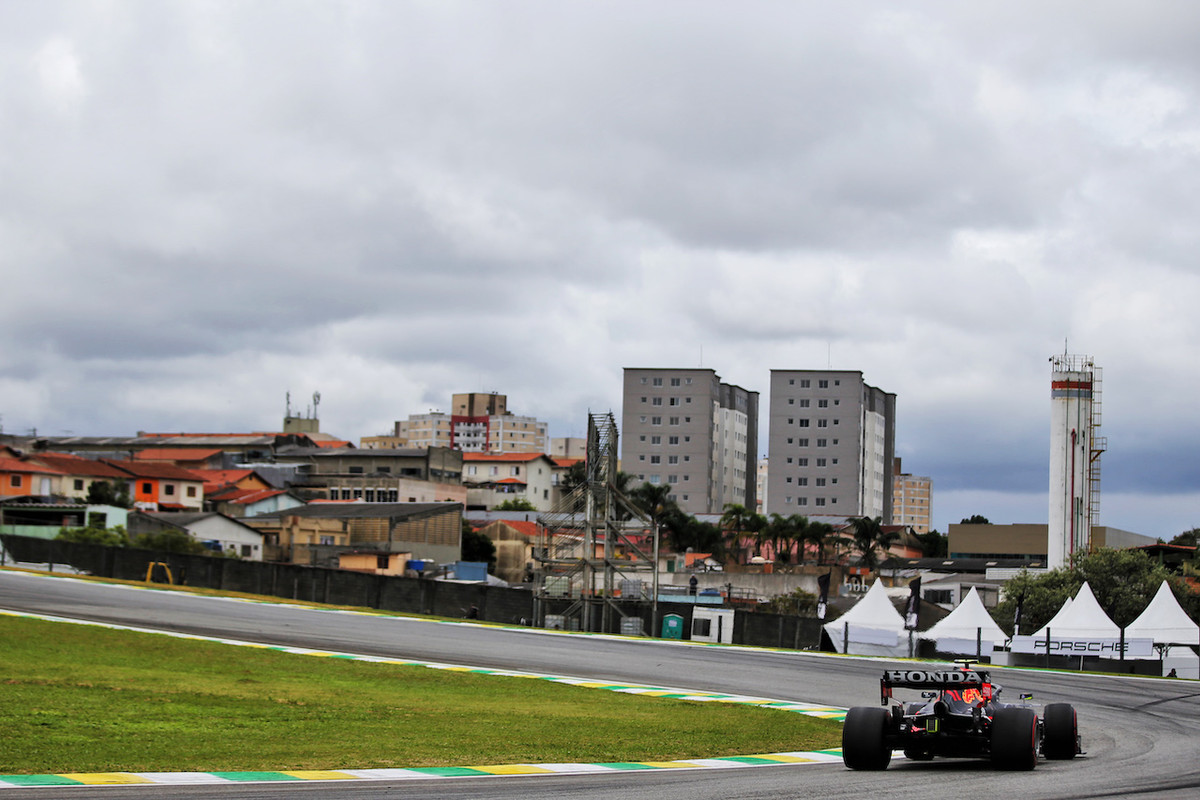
x: 75, y: 698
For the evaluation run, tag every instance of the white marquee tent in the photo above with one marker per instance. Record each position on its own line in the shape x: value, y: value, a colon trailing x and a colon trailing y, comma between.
x: 1164, y: 621
x: 967, y: 626
x: 874, y: 625
x: 1081, y: 618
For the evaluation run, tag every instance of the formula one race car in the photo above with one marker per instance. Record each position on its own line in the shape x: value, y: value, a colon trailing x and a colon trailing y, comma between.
x: 959, y: 715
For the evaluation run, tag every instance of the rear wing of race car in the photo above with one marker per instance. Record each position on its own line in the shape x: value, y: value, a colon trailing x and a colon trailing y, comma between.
x: 934, y: 679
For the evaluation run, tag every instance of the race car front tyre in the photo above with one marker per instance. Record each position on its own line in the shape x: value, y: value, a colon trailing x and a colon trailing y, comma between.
x: 1060, y: 731
x: 1014, y: 738
x: 863, y: 744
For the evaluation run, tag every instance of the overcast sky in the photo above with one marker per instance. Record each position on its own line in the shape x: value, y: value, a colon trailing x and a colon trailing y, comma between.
x: 205, y: 205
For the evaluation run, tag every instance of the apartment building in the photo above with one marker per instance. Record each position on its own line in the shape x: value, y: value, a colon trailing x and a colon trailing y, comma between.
x: 911, y: 500
x: 831, y: 445
x: 478, y: 423
x: 687, y: 429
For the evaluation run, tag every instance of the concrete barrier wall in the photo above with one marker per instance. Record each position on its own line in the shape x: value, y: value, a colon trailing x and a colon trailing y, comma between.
x: 385, y: 592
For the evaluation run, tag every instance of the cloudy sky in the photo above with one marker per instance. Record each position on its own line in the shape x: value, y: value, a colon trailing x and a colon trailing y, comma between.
x: 205, y: 205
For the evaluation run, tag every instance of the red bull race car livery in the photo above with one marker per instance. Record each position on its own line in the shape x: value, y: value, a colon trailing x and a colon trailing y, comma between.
x: 959, y: 715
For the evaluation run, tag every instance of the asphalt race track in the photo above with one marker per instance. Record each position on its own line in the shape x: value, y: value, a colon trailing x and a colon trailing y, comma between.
x: 1142, y: 736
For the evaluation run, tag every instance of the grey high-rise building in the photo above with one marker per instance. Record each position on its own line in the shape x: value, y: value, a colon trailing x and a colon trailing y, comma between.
x: 830, y: 445
x: 687, y: 429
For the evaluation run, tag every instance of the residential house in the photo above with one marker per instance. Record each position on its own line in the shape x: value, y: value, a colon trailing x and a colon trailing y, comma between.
x: 492, y: 478
x: 44, y: 518
x: 374, y: 562
x: 162, y: 487
x: 22, y: 478
x: 217, y: 532
x: 77, y: 474
x: 514, y: 541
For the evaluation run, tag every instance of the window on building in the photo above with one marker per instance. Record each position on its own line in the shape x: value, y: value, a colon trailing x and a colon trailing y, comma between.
x: 655, y: 440
x: 14, y: 481
x: 821, y: 442
x: 657, y: 401
x: 191, y: 491
x: 804, y: 423
x: 655, y: 459
x: 674, y: 381
x: 822, y: 423
x: 79, y: 484
x: 803, y: 462
x: 820, y: 481
x: 803, y: 501
x: 820, y: 501
x: 672, y: 440
x: 657, y: 381
x: 656, y: 420
x: 147, y: 488
x: 169, y: 489
x: 822, y: 384
x: 820, y: 462
x: 802, y: 481
x: 803, y: 442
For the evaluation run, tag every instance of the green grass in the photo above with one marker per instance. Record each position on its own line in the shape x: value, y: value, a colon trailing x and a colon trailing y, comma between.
x: 75, y: 698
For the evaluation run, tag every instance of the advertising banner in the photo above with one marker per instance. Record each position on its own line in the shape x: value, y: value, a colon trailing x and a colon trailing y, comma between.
x: 1101, y: 648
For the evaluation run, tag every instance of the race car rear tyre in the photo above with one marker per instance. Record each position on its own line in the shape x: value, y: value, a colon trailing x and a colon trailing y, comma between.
x: 1014, y: 738
x: 863, y: 745
x: 1060, y: 731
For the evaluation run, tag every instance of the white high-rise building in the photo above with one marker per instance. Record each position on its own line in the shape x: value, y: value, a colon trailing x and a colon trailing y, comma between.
x: 687, y: 429
x: 831, y: 444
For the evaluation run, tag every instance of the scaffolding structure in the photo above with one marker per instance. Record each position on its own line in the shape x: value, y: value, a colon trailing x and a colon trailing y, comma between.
x: 596, y: 549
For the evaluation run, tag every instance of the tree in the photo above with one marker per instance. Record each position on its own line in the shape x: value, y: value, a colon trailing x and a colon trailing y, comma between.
x: 516, y: 504
x: 975, y: 519
x: 734, y: 520
x: 576, y: 475
x: 1123, y: 581
x: 868, y: 537
x: 652, y: 500
x: 782, y: 533
x: 477, y: 546
x: 172, y: 540
x: 799, y: 603
x: 109, y: 537
x: 817, y: 534
x: 109, y: 493
x: 1187, y: 538
x: 934, y: 544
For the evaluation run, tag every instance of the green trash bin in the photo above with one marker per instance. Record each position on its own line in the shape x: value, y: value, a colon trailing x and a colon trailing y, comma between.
x: 672, y: 626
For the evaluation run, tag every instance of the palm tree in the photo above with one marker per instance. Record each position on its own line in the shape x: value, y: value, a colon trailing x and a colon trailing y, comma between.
x: 652, y: 500
x: 734, y: 520
x: 783, y: 532
x: 868, y: 536
x: 817, y: 534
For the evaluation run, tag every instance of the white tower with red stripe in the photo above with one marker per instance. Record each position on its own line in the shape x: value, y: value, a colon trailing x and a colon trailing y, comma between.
x: 1075, y: 449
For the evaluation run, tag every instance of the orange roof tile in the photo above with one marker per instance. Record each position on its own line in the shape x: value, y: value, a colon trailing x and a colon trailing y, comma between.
x: 503, y: 456
x: 176, y: 454
x: 155, y: 469
x: 67, y: 464
x: 17, y: 465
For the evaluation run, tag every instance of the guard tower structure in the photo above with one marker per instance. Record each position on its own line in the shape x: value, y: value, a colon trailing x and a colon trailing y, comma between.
x: 1075, y: 449
x: 597, y: 551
